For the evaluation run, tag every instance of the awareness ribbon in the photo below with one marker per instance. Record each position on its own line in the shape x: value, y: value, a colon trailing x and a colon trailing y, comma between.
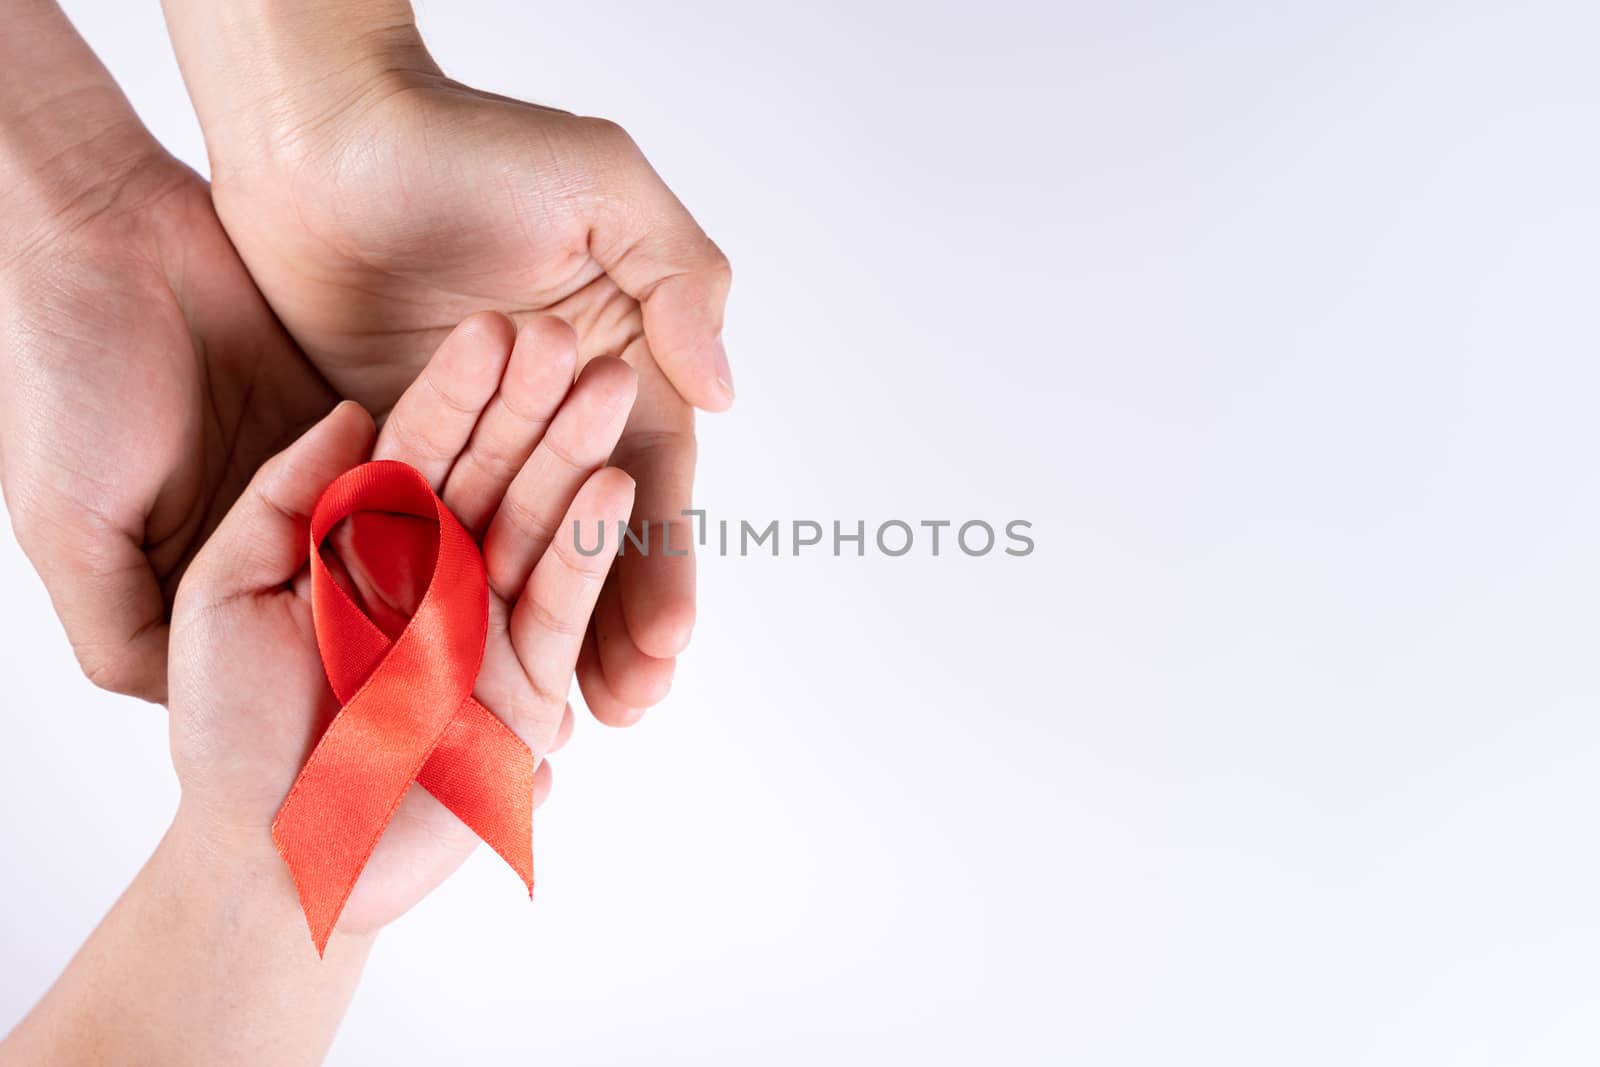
x: 406, y: 708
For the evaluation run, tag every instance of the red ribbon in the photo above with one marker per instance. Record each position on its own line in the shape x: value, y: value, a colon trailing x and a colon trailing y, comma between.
x: 406, y: 708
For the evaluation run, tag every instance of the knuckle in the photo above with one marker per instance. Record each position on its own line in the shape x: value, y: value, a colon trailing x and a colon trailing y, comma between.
x: 526, y: 520
x: 115, y: 672
x: 719, y: 266
x: 419, y: 443
x: 545, y: 618
x: 564, y: 454
x: 611, y: 134
x: 664, y: 459
x: 589, y: 568
x: 449, y: 397
x: 26, y: 523
x: 496, y: 462
x: 658, y: 444
x: 32, y: 515
x: 540, y: 719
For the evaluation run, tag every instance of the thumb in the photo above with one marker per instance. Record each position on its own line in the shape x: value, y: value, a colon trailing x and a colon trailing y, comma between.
x: 108, y: 599
x: 650, y: 245
x: 98, y: 577
x: 262, y: 542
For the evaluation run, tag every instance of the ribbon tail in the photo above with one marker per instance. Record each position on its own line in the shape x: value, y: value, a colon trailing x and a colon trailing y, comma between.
x: 483, y: 772
x: 407, y: 712
x: 325, y: 833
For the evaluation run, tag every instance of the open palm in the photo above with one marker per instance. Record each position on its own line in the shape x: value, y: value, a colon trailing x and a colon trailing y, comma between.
x: 147, y: 379
x: 430, y: 200
x: 516, y: 456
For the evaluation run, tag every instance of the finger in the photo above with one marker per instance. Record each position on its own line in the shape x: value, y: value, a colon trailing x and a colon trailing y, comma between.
x: 578, y: 442
x: 552, y: 614
x: 603, y: 704
x: 543, y: 361
x: 563, y: 732
x: 543, y: 779
x: 657, y: 587
x: 646, y: 611
x: 101, y: 585
x: 264, y: 539
x: 435, y: 416
x: 634, y: 678
x: 656, y: 253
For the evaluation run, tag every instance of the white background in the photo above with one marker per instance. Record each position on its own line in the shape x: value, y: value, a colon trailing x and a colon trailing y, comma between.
x: 1279, y: 323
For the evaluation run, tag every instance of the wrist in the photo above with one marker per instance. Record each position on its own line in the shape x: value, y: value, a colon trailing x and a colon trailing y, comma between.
x: 201, y: 961
x: 68, y: 137
x: 267, y: 75
x: 234, y: 875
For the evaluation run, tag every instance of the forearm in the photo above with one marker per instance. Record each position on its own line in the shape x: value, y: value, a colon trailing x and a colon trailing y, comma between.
x: 65, y: 127
x: 205, y: 959
x: 263, y: 72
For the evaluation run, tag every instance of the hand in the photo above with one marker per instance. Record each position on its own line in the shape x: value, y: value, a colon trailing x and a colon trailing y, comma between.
x: 143, y: 378
x: 512, y: 452
x: 376, y: 211
x: 160, y: 981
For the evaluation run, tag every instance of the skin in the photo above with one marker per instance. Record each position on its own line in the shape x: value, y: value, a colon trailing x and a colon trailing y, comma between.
x: 142, y: 376
x: 143, y: 379
x: 376, y: 202
x: 161, y: 981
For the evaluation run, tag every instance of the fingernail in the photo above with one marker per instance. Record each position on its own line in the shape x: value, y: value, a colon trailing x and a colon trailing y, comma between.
x: 724, y: 371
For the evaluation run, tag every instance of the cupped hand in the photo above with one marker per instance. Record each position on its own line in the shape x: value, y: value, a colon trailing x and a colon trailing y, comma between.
x: 143, y: 380
x: 518, y: 457
x: 373, y: 231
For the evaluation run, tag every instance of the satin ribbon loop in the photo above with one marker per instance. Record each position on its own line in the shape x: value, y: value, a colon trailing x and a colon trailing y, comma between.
x: 406, y: 708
